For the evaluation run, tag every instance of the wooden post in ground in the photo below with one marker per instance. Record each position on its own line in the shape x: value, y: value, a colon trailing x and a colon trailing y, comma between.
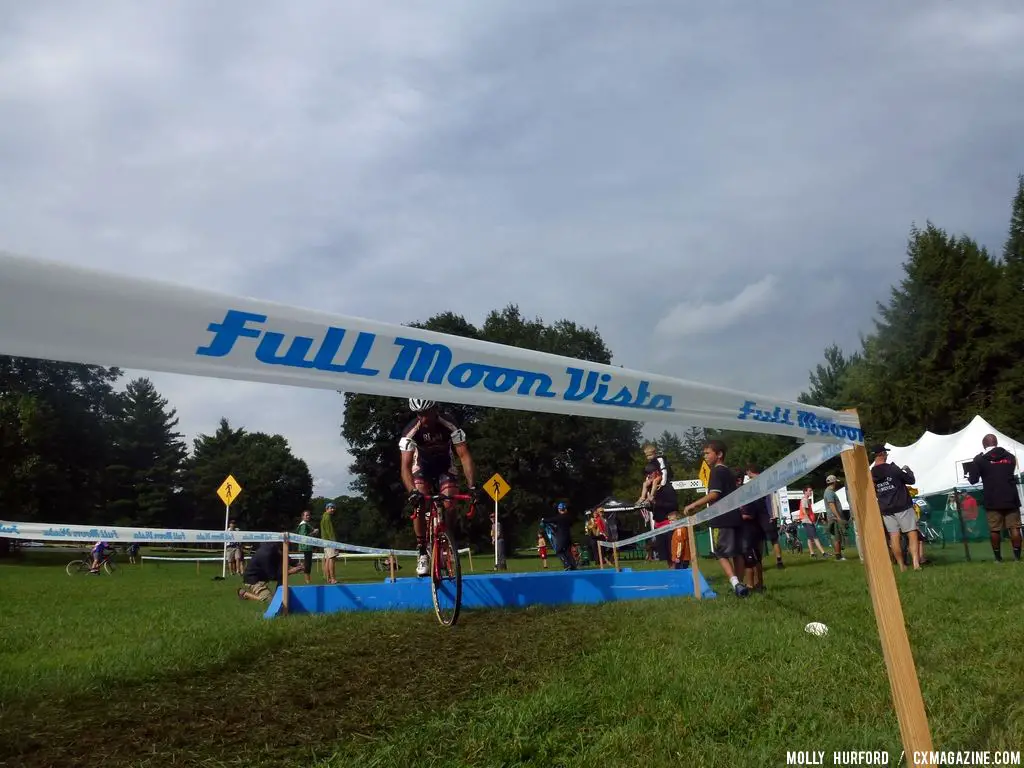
x: 693, y: 561
x: 892, y: 629
x: 285, y: 564
x: 391, y: 565
x: 469, y: 551
x: 615, y: 554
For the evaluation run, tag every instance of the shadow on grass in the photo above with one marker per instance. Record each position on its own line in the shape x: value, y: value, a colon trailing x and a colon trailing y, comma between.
x: 335, y: 683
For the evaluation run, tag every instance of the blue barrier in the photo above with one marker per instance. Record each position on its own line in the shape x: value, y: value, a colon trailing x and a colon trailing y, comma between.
x: 499, y: 590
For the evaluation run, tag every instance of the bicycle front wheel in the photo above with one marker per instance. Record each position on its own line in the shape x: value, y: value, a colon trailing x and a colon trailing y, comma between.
x: 446, y: 581
x: 110, y: 567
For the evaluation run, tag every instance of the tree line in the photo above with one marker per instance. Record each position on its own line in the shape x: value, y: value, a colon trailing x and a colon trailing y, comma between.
x: 945, y: 346
x: 75, y: 450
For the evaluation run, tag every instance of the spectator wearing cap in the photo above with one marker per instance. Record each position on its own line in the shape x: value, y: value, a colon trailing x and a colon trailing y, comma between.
x: 561, y: 525
x: 834, y: 515
x: 996, y: 467
x: 896, y: 505
x: 327, y: 532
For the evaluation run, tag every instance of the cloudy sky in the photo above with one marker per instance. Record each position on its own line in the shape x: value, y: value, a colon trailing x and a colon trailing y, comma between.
x: 721, y: 189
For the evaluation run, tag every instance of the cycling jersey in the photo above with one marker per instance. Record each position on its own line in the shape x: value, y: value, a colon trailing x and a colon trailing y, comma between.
x: 432, y: 446
x: 100, y: 547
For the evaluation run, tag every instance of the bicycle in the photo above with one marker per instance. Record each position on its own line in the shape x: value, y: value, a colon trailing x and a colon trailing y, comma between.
x: 445, y: 587
x: 929, y: 534
x: 383, y: 565
x: 76, y: 567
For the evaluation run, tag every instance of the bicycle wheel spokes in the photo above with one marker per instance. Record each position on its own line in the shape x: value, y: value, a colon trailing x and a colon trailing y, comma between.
x: 446, y: 581
x: 76, y: 567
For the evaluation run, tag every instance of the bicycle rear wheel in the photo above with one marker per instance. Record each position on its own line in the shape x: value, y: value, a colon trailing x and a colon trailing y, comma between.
x: 446, y: 580
x: 76, y: 567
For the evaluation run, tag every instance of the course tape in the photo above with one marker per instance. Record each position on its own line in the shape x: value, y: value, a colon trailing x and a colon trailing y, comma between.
x: 292, y: 555
x: 794, y: 466
x: 58, y: 532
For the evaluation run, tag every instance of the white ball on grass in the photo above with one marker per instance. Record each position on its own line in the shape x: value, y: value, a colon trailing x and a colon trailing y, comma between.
x: 816, y: 628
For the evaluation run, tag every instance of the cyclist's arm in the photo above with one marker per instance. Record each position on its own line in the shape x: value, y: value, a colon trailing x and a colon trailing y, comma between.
x: 407, y: 480
x: 462, y: 451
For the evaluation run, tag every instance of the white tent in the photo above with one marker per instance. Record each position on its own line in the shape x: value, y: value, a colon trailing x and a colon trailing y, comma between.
x: 937, y: 460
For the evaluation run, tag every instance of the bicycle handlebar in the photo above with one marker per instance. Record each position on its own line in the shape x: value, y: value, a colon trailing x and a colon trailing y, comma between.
x: 442, y: 497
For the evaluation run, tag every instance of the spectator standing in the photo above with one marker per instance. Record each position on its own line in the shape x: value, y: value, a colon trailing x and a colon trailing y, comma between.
x: 729, y: 546
x: 760, y: 527
x: 996, y: 468
x: 561, y: 525
x: 327, y: 532
x: 835, y: 516
x: 661, y: 502
x: 236, y: 563
x: 807, y: 518
x: 680, y: 544
x: 306, y: 529
x: 896, y: 505
x: 542, y: 549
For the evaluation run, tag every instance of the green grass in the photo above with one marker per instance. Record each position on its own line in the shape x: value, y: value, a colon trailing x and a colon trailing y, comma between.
x: 159, y: 666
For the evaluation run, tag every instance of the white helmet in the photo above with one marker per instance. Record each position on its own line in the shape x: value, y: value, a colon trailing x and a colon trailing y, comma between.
x: 416, y: 405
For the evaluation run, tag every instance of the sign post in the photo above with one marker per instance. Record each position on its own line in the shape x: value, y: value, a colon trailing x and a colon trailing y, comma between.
x: 228, y: 492
x: 496, y: 488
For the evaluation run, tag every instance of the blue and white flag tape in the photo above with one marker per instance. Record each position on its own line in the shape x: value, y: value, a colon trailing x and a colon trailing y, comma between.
x: 123, y: 534
x: 804, y: 459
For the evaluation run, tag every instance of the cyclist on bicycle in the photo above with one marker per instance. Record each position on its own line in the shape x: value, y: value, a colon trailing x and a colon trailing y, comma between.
x: 100, y: 551
x: 428, y: 445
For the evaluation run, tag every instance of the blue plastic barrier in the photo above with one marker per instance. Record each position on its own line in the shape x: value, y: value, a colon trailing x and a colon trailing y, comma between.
x: 498, y: 590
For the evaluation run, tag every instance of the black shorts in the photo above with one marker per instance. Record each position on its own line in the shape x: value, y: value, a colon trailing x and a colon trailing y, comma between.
x: 307, y: 562
x: 729, y: 543
x: 436, y: 478
x: 771, y: 531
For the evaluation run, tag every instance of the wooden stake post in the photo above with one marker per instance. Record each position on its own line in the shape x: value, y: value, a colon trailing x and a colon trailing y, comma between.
x: 285, y: 564
x: 693, y: 562
x: 892, y: 630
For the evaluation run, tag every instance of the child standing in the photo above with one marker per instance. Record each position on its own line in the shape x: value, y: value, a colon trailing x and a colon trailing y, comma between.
x: 542, y: 548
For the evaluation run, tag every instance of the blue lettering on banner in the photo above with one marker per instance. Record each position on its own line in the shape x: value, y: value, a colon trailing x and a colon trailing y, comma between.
x: 420, y: 362
x: 812, y: 423
x: 11, y: 529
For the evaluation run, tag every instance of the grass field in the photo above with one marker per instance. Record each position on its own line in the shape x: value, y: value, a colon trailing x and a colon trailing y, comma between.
x: 159, y: 666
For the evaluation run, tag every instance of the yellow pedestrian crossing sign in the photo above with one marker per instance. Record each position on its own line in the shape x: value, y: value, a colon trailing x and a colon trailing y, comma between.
x: 496, y: 487
x: 229, y: 491
x: 705, y: 474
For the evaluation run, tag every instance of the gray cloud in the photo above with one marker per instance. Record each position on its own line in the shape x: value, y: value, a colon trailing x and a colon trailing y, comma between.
x: 620, y: 167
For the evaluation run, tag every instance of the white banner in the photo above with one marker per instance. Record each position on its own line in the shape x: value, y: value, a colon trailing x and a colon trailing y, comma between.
x: 122, y: 534
x: 797, y: 464
x: 58, y: 312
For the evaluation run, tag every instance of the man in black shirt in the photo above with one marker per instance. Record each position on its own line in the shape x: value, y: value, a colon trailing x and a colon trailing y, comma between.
x: 264, y: 566
x: 561, y: 525
x: 729, y: 548
x: 996, y: 468
x: 896, y: 505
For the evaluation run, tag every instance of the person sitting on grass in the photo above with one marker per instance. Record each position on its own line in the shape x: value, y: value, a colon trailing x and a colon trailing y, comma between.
x: 264, y: 566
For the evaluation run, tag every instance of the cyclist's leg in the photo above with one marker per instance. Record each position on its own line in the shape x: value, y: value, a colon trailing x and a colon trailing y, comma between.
x: 419, y: 524
x: 448, y: 486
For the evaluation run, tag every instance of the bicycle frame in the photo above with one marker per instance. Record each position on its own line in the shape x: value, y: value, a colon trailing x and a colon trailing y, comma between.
x: 433, y: 507
x: 437, y: 536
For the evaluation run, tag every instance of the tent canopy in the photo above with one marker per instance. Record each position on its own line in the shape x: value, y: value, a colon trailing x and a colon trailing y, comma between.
x: 937, y: 460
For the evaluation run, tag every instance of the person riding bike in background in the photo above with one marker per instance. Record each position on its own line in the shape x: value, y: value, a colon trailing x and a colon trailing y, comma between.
x: 100, y: 550
x: 428, y: 445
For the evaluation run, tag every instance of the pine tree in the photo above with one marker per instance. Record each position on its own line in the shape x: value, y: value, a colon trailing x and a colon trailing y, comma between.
x: 148, y: 458
x: 933, y: 360
x: 1009, y: 406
